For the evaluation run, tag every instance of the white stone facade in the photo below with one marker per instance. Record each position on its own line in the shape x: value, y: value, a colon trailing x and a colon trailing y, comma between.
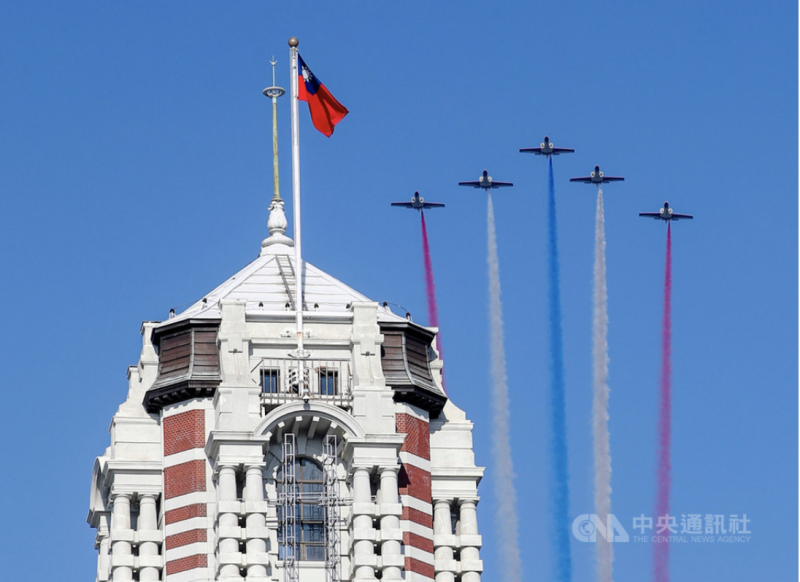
x: 192, y: 485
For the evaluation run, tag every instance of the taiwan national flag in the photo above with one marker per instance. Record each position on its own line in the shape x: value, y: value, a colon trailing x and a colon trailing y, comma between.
x: 325, y: 110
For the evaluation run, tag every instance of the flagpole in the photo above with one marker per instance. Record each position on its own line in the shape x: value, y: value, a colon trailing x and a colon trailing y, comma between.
x: 298, y: 257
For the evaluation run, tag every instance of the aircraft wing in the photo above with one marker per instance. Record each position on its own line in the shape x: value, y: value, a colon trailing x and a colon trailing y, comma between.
x: 537, y: 151
x: 682, y: 216
x: 612, y: 179
x: 651, y: 214
x: 585, y: 180
x: 501, y: 184
x: 473, y: 184
x: 432, y: 205
x: 403, y: 204
x: 557, y: 151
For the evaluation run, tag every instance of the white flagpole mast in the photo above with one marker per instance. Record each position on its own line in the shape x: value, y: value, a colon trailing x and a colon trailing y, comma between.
x: 298, y: 257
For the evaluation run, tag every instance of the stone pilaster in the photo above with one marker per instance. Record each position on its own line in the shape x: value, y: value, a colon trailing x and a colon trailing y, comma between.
x: 471, y: 564
x: 364, y: 559
x: 103, y: 549
x: 444, y: 540
x: 255, y: 523
x: 121, y: 538
x: 228, y: 525
x: 392, y: 560
x: 149, y: 537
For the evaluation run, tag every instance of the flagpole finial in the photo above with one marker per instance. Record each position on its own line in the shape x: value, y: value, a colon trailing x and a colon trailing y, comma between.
x: 273, y: 93
x: 276, y: 222
x: 293, y: 42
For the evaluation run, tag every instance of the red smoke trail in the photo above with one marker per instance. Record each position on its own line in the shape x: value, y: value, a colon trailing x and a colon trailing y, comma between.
x: 430, y: 289
x: 661, y: 549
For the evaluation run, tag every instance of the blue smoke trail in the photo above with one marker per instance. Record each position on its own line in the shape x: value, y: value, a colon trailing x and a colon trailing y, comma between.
x: 559, y: 492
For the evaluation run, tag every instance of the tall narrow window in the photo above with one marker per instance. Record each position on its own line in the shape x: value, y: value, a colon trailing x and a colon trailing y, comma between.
x: 309, y: 515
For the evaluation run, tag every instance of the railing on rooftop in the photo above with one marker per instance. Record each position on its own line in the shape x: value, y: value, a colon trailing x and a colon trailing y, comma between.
x: 328, y: 380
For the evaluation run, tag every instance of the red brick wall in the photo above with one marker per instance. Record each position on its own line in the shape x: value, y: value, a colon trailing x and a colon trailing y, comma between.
x: 417, y: 516
x: 418, y: 441
x: 188, y: 512
x: 415, y: 482
x: 417, y: 541
x: 187, y: 563
x: 184, y: 478
x: 184, y: 431
x: 419, y: 567
x: 187, y: 537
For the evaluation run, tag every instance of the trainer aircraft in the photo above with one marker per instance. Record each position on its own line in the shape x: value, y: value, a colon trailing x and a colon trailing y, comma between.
x: 597, y: 177
x: 418, y: 203
x: 485, y: 181
x: 666, y: 214
x: 546, y: 149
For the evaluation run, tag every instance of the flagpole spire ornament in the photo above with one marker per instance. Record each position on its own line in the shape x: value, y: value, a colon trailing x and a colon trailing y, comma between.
x: 273, y: 93
x: 276, y: 223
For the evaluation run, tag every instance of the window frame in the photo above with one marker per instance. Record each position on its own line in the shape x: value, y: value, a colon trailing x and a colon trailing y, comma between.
x: 329, y: 378
x: 316, y: 515
x: 274, y: 376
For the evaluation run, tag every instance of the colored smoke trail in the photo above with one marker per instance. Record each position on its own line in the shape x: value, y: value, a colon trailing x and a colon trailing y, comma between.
x: 506, y: 495
x: 602, y: 453
x: 430, y: 290
x: 559, y: 490
x: 661, y: 549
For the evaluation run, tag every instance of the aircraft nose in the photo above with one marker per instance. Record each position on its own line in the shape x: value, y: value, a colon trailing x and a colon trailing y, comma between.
x: 546, y: 139
x: 597, y: 168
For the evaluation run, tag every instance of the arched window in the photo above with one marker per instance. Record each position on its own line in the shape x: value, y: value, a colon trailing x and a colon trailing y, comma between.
x: 309, y: 514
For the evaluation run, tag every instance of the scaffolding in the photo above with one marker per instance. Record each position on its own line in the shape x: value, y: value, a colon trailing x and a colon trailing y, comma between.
x: 288, y: 501
x: 331, y: 502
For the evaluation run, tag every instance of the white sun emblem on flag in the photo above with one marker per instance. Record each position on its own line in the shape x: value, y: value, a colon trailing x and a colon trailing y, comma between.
x: 307, y: 75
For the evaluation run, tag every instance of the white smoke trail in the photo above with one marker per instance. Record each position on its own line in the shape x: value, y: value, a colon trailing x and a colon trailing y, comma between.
x: 506, y: 495
x: 602, y: 455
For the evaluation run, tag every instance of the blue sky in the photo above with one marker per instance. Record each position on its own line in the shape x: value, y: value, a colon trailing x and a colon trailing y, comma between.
x: 136, y: 174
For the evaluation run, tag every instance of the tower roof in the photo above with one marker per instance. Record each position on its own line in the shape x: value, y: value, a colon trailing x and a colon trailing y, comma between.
x: 267, y: 285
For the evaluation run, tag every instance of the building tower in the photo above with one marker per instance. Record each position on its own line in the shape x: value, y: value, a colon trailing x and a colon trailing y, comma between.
x: 234, y: 459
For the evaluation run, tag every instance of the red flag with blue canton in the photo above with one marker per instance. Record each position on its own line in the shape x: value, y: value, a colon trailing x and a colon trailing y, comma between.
x: 325, y: 110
